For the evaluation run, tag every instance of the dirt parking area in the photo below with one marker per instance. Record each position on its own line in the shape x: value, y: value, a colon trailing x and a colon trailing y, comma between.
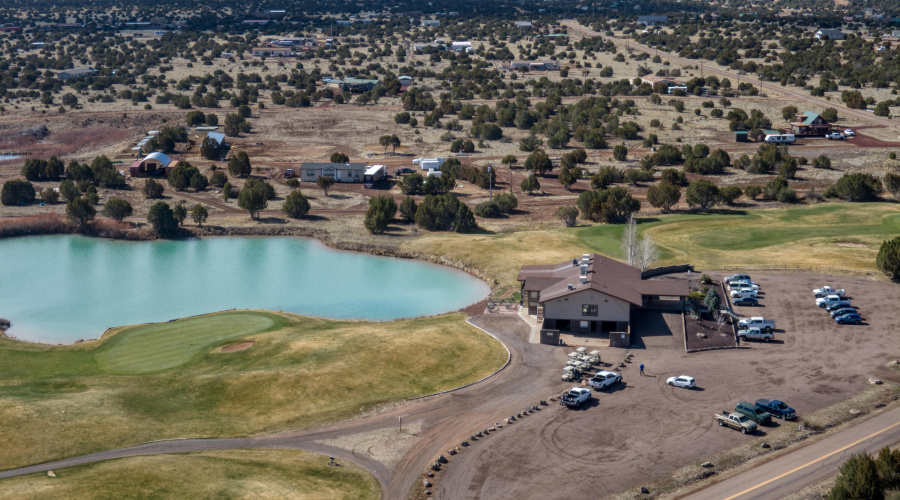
x: 645, y: 429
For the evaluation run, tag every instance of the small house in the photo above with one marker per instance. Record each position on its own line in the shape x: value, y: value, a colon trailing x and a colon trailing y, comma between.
x: 431, y: 22
x: 340, y: 172
x: 652, y: 20
x: 273, y: 52
x: 653, y: 80
x: 76, y: 73
x: 523, y: 24
x: 359, y: 84
x: 461, y: 46
x: 405, y: 80
x: 810, y: 124
x: 531, y: 66
x: 219, y: 137
x: 828, y: 34
x: 741, y: 136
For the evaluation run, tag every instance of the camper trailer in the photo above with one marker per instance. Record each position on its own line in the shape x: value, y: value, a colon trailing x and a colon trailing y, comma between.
x: 780, y: 138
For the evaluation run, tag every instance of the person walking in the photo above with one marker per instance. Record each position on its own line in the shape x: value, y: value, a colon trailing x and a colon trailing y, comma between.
x: 642, y: 369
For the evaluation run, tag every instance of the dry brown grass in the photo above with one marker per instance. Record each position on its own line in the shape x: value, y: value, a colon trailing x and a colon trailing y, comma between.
x: 258, y: 474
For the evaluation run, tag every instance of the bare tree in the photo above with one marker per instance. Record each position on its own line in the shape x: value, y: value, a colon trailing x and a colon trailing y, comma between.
x: 647, y: 253
x: 630, y: 243
x: 720, y: 319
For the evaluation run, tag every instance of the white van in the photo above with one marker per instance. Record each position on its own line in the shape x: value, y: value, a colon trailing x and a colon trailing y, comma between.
x: 780, y: 138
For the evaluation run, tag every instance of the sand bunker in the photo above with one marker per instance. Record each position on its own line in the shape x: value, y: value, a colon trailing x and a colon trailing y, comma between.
x: 238, y: 347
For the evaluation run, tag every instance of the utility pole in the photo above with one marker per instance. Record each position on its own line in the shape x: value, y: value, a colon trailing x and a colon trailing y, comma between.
x: 491, y: 181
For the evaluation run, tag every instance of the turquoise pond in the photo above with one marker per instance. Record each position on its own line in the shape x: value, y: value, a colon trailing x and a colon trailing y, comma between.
x: 57, y: 289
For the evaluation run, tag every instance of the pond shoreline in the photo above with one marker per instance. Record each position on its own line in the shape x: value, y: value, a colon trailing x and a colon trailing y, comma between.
x: 46, y: 224
x: 50, y: 224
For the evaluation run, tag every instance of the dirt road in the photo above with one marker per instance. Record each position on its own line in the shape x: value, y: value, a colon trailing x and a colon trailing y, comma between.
x: 788, y: 92
x: 808, y: 465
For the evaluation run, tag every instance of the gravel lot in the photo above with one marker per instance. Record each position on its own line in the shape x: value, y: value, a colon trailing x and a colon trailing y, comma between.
x: 645, y: 429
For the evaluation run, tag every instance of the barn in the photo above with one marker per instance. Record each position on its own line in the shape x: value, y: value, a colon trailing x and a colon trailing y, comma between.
x: 153, y: 164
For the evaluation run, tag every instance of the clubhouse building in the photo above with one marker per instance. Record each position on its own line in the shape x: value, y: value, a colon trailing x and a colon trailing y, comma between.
x: 595, y: 294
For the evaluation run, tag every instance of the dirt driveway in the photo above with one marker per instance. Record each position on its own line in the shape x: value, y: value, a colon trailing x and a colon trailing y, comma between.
x: 646, y: 429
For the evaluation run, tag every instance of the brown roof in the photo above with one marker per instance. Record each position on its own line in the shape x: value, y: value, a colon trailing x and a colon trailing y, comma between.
x: 604, y: 275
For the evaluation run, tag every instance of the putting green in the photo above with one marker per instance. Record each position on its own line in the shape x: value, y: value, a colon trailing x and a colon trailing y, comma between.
x: 161, y: 346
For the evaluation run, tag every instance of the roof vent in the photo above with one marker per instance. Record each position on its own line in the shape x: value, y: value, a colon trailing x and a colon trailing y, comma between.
x: 571, y: 286
x: 574, y: 262
x: 583, y: 279
x: 584, y: 269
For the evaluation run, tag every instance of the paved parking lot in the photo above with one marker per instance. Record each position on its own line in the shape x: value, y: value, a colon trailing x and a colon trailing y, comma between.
x: 646, y: 429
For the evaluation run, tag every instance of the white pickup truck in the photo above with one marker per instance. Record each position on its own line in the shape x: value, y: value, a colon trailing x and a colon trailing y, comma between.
x: 576, y: 397
x: 827, y: 290
x: 831, y: 299
x: 735, y: 421
x: 755, y: 334
x: 604, y: 379
x: 766, y: 325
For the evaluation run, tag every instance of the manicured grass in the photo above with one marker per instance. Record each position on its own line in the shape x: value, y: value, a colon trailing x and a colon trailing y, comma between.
x: 61, y: 401
x: 160, y: 347
x: 845, y: 235
x: 287, y: 474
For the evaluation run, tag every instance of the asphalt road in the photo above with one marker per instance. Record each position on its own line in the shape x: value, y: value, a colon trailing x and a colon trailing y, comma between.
x: 791, y: 93
x: 808, y: 465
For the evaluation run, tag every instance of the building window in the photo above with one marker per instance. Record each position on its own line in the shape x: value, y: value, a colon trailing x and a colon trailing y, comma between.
x: 589, y: 309
x: 310, y: 173
x: 585, y: 325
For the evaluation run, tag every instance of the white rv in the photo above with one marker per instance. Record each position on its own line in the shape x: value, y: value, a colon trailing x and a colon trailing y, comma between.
x: 373, y: 175
x: 780, y: 138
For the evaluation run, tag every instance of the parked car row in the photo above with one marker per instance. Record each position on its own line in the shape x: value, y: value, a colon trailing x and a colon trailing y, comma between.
x: 747, y: 416
x: 742, y: 290
x: 756, y: 328
x: 838, y: 305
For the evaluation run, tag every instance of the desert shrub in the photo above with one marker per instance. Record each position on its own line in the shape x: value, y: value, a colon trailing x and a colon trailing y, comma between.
x: 636, y: 176
x: 702, y: 193
x: 488, y: 209
x: 17, y: 192
x: 752, y: 192
x: 787, y: 195
x: 673, y: 176
x: 567, y: 214
x: 663, y: 196
x: 507, y: 202
x: 858, y: 187
x: 729, y: 194
x: 606, y: 177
